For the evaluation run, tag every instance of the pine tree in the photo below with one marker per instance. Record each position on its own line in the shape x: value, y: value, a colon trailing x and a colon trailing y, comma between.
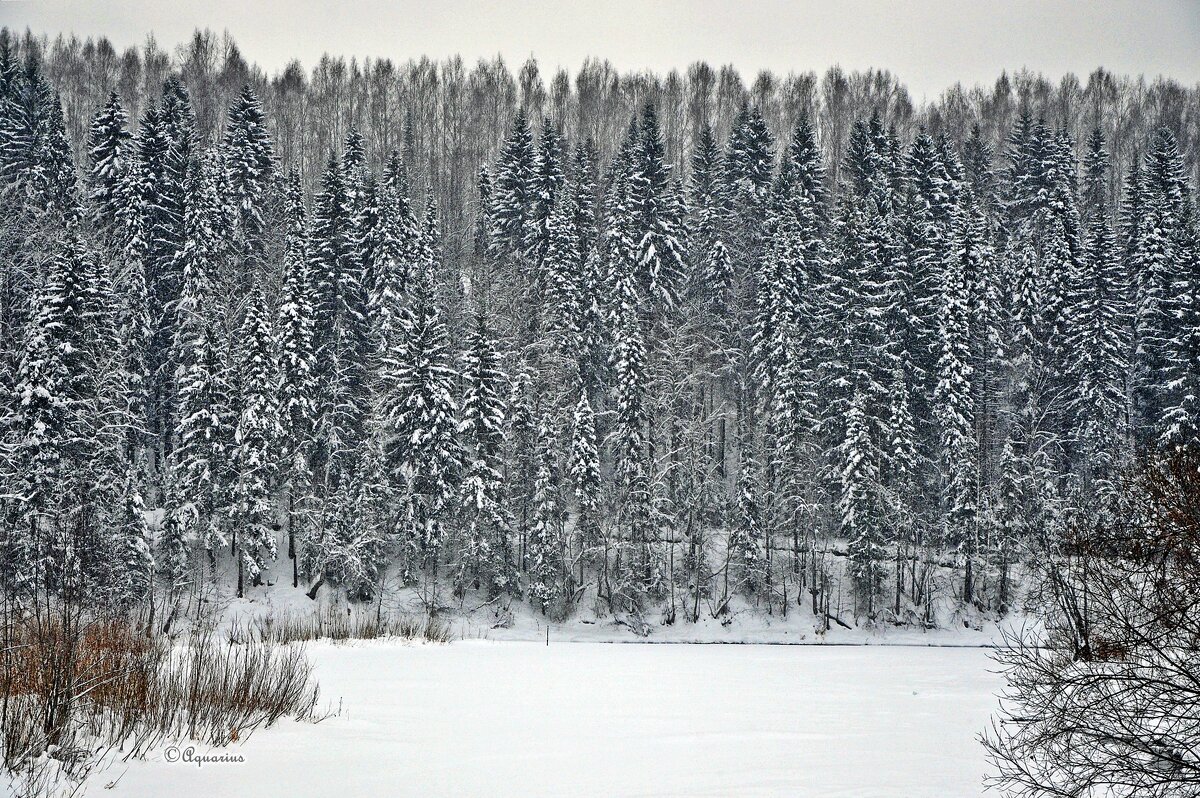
x: 109, y: 161
x: 250, y: 165
x: 1097, y: 340
x: 657, y: 219
x: 585, y: 471
x: 201, y: 457
x: 513, y: 193
x: 487, y: 559
x: 546, y: 538
x: 859, y: 508
x: 953, y: 396
x: 423, y: 452
x: 255, y: 443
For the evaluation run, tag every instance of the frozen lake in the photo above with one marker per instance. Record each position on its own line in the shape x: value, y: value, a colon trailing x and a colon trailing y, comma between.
x: 590, y: 719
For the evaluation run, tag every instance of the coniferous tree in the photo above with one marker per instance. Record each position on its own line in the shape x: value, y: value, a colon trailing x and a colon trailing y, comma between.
x: 970, y: 321
x: 255, y: 443
x: 1098, y: 341
x: 423, y: 453
x: 744, y: 543
x: 512, y: 196
x: 340, y: 333
x: 547, y: 543
x: 47, y: 425
x: 953, y: 397
x: 200, y: 467
x: 656, y: 219
x: 629, y: 363
x: 130, y: 572
x: 585, y: 471
x: 109, y: 161
x: 487, y: 559
x: 859, y: 507
x: 250, y: 165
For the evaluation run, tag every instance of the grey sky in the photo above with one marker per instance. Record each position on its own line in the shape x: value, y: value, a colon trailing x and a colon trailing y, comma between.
x: 929, y: 44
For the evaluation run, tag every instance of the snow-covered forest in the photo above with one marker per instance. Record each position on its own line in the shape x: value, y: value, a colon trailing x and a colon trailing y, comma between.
x: 648, y: 341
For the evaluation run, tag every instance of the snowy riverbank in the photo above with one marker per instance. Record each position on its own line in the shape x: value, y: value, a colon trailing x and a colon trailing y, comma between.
x: 480, y: 718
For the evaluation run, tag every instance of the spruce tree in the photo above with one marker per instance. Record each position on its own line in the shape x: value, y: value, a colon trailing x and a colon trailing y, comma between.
x: 631, y: 447
x: 1097, y: 339
x: 953, y: 397
x: 423, y: 453
x: 487, y: 560
x: 585, y: 471
x: 341, y: 339
x: 110, y: 158
x: 201, y: 458
x: 859, y: 507
x: 657, y: 219
x: 254, y: 455
x: 513, y: 194
x: 46, y: 426
x: 250, y: 166
x: 547, y: 542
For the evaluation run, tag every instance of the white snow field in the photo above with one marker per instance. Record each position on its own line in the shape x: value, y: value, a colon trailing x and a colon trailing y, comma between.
x: 482, y: 718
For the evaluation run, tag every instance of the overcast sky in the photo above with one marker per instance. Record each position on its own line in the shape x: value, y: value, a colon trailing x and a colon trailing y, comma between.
x: 929, y: 44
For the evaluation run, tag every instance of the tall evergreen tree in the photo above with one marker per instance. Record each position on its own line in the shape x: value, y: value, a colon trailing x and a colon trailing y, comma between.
x: 200, y: 468
x: 250, y: 165
x: 109, y: 161
x: 254, y: 455
x: 488, y: 558
x: 423, y: 452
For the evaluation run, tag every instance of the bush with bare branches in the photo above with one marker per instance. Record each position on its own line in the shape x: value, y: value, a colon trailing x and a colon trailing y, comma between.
x: 1104, y: 696
x: 73, y: 687
x: 335, y: 625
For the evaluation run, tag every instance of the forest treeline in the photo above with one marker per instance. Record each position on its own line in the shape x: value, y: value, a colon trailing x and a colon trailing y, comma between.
x: 649, y: 340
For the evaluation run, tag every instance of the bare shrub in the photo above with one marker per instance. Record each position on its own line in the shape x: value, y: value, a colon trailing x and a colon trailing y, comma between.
x: 66, y: 695
x: 331, y: 624
x: 1104, y: 697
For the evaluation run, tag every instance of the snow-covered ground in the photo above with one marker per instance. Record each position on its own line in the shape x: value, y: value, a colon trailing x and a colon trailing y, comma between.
x: 487, y: 718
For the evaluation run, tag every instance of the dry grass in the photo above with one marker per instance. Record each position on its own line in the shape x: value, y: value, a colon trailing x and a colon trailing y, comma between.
x: 69, y: 690
x: 331, y: 624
